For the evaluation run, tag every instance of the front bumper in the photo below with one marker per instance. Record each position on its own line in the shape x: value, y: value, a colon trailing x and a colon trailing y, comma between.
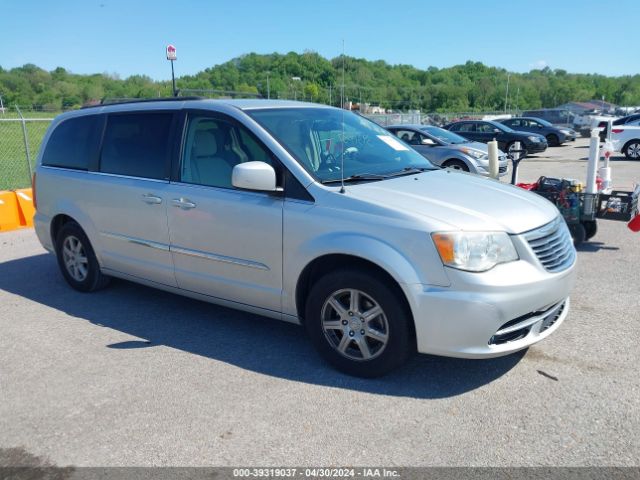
x: 503, y: 167
x: 533, y: 147
x: 490, y: 314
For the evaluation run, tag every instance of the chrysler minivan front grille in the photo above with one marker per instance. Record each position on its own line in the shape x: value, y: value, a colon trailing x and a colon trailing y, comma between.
x: 553, y: 245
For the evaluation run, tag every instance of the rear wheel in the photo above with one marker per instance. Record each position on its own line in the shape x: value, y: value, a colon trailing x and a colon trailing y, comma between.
x: 77, y: 260
x: 359, y: 324
x: 456, y: 165
x: 632, y: 150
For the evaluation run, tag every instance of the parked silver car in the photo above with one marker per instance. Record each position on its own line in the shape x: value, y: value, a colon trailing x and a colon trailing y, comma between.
x: 446, y: 149
x: 304, y: 213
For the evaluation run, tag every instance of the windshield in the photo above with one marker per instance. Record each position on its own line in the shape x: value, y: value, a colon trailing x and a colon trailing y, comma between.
x: 543, y: 122
x: 314, y: 136
x: 444, y: 135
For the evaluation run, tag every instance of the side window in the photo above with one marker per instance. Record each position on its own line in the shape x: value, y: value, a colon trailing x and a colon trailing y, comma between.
x: 408, y: 136
x: 465, y: 127
x: 137, y: 145
x: 72, y: 143
x: 485, y: 128
x: 213, y: 147
x: 513, y: 123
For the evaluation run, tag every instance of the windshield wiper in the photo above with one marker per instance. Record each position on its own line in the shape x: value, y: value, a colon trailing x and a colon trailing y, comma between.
x: 407, y: 171
x: 356, y: 178
x: 378, y: 176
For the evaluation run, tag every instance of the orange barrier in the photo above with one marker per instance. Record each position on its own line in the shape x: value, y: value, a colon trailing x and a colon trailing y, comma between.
x: 26, y: 209
x: 9, y: 211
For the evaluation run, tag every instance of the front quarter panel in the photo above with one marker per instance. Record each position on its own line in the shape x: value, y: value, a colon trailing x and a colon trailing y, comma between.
x: 311, y: 231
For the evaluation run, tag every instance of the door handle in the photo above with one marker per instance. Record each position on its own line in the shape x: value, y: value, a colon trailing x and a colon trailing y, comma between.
x: 183, y: 203
x: 151, y: 199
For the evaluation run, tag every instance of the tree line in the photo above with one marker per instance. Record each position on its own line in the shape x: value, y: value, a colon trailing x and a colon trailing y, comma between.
x: 309, y: 76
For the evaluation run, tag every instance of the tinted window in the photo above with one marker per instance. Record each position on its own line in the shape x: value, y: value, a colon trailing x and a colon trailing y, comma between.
x: 464, y: 127
x: 72, y: 143
x: 485, y: 128
x: 137, y: 145
x: 213, y: 147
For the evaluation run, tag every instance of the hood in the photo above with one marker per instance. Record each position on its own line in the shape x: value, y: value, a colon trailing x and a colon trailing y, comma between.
x: 529, y: 134
x: 481, y: 147
x: 461, y: 200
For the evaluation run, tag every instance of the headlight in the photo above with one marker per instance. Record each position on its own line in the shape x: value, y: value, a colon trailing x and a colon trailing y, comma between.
x: 474, y: 251
x: 473, y: 153
x: 534, y: 139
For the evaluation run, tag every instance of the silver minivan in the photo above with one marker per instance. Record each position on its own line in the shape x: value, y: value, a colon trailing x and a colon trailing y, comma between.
x: 308, y: 214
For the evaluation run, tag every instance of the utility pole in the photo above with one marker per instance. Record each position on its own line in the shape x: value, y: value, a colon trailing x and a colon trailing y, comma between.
x: 506, y: 95
x: 268, y: 88
x: 329, y: 94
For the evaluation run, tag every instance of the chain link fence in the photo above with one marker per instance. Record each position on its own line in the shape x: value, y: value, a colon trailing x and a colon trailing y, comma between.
x: 20, y: 139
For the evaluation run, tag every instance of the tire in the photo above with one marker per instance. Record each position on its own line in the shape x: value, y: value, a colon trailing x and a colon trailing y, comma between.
x: 77, y: 260
x: 511, y: 145
x: 553, y: 140
x: 578, y: 233
x: 456, y: 165
x: 590, y: 228
x: 336, y: 325
x: 632, y: 150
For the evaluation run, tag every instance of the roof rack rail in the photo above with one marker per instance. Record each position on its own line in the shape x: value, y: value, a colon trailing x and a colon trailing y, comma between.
x: 119, y: 101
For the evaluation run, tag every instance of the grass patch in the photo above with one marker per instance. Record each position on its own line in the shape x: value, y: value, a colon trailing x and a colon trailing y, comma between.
x: 14, y: 171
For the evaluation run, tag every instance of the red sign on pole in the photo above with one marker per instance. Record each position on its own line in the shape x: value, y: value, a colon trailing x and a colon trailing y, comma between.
x: 171, y: 53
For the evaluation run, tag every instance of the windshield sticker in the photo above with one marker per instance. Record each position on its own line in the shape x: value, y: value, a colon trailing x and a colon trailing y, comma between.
x: 392, y: 142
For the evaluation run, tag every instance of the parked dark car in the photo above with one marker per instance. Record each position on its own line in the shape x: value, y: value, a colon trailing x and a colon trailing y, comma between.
x: 484, y: 131
x: 555, y: 135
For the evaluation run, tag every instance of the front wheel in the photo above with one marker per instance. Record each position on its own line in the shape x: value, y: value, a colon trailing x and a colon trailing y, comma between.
x: 632, y: 150
x: 358, y: 323
x: 456, y: 165
x: 553, y: 140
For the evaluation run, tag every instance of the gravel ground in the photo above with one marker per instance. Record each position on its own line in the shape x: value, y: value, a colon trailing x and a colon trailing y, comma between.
x: 134, y: 376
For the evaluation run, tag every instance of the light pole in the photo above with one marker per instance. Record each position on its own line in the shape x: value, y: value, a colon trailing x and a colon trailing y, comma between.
x: 171, y: 56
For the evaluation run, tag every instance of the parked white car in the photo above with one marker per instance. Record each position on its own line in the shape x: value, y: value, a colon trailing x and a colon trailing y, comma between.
x: 626, y: 139
x: 304, y: 213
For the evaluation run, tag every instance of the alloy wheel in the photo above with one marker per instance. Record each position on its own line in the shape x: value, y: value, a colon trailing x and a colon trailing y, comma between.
x: 354, y: 324
x: 75, y: 258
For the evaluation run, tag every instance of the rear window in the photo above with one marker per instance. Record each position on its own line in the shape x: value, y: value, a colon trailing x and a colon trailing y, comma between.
x: 137, y: 145
x: 72, y: 143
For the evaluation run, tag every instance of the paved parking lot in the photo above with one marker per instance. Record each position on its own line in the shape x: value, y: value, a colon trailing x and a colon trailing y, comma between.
x: 135, y: 376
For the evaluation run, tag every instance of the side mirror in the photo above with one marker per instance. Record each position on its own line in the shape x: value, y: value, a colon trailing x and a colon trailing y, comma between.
x: 427, y: 141
x: 258, y: 176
